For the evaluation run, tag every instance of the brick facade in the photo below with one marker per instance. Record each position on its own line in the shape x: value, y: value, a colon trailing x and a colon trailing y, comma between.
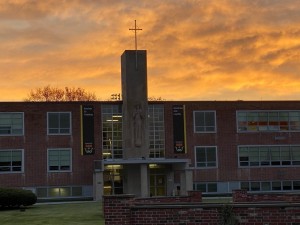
x: 35, y: 143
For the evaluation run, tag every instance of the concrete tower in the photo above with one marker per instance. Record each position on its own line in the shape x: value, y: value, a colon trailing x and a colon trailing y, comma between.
x: 135, y: 104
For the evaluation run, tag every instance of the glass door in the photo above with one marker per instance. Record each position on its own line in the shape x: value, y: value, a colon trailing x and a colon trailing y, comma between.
x: 157, y: 181
x: 113, y: 182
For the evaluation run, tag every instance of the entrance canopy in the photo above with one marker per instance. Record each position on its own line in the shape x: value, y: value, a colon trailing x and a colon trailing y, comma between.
x: 145, y: 161
x: 146, y: 177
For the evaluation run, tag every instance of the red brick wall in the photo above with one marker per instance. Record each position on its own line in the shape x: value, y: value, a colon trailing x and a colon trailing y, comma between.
x: 227, y: 140
x: 35, y: 143
x: 182, y: 211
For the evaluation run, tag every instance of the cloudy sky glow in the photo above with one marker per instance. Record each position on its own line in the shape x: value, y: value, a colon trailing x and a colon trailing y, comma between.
x: 197, y: 49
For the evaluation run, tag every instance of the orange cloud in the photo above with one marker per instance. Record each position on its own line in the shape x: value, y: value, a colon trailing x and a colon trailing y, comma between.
x: 197, y: 49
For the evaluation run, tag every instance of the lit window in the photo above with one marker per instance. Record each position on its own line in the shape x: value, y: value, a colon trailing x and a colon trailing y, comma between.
x: 156, y: 131
x: 59, y: 192
x: 112, y: 137
x: 262, y: 121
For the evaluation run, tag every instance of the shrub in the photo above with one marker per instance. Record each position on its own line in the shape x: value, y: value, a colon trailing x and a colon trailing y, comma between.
x: 16, y: 197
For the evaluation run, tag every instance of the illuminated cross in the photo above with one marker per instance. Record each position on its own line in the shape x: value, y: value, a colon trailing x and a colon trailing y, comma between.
x: 135, y: 30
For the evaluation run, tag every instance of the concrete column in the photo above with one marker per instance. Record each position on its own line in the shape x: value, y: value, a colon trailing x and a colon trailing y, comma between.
x: 170, y: 183
x: 98, y: 186
x: 186, y: 181
x: 144, y: 181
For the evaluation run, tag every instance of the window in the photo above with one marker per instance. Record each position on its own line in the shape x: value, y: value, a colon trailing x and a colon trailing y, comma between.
x: 59, y: 192
x: 286, y: 185
x: 113, y: 180
x: 11, y: 160
x: 266, y: 186
x: 262, y: 121
x: 296, y: 185
x: 269, y: 186
x: 206, y: 187
x: 11, y: 123
x: 156, y: 131
x: 59, y: 123
x: 59, y: 160
x: 269, y: 156
x: 204, y: 121
x: 206, y: 157
x: 112, y: 138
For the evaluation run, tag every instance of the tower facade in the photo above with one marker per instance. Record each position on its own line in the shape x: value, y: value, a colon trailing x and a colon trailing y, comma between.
x: 135, y: 104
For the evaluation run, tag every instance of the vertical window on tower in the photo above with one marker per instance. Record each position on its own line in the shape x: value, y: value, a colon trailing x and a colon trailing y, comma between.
x: 111, y: 116
x: 156, y: 131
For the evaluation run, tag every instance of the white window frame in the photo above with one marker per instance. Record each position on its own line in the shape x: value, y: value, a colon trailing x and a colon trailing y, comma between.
x: 22, y: 134
x: 69, y: 133
x: 206, y: 167
x: 23, y: 162
x: 205, y: 111
x: 59, y: 171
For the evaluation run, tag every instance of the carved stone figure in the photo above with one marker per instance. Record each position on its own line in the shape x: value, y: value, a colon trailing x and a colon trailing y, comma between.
x: 137, y: 122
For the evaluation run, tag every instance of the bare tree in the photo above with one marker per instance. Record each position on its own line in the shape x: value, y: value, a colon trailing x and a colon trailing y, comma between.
x: 52, y: 94
x: 152, y: 98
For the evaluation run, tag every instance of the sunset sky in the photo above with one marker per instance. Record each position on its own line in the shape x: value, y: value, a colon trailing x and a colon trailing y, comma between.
x: 197, y: 49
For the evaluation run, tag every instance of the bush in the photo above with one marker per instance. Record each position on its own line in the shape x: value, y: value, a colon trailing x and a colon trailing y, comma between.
x: 16, y: 197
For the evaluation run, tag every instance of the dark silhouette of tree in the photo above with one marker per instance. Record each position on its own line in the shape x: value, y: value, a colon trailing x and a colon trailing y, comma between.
x: 152, y: 98
x: 52, y: 94
x: 118, y: 97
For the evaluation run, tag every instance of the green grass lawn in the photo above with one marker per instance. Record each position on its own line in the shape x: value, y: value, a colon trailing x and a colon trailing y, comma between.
x: 85, y: 213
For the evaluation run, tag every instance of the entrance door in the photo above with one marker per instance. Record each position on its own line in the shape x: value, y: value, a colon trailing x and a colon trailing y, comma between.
x: 113, y: 183
x: 157, y: 182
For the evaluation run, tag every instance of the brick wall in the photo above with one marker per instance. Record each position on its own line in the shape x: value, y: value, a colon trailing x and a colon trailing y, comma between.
x: 227, y: 139
x: 35, y: 143
x: 127, y: 209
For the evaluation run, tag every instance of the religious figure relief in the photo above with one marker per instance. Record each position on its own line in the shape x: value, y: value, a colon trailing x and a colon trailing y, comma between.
x: 137, y: 124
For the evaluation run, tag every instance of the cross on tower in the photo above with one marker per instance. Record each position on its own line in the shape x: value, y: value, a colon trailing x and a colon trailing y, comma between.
x: 135, y: 30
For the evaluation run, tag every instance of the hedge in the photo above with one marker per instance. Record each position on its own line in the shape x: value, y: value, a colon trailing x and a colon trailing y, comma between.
x: 16, y: 197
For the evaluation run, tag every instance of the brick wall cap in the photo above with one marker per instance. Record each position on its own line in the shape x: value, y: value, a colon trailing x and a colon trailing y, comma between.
x: 215, y: 205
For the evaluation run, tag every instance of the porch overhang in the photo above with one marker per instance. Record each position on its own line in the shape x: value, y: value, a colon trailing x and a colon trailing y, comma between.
x: 145, y: 161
